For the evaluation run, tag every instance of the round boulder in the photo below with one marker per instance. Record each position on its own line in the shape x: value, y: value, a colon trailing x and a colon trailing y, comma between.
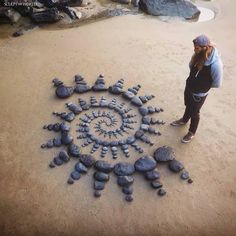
x: 176, y: 166
x: 127, y: 189
x: 81, y: 168
x: 104, y: 166
x: 64, y: 91
x: 124, y: 168
x: 144, y: 164
x: 63, y: 155
x: 73, y: 150
x: 101, y: 176
x: 164, y: 154
x: 156, y: 184
x: 87, y: 160
x: 152, y: 175
x: 98, y: 185
x: 125, y: 180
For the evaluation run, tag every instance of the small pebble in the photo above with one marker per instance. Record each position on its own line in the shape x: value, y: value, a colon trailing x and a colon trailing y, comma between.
x: 57, y: 161
x: 184, y: 175
x: 70, y: 181
x: 127, y: 189
x: 97, y: 193
x: 190, y: 181
x: 52, y: 165
x: 161, y: 192
x: 98, y: 185
x: 75, y: 175
x: 129, y: 198
x: 156, y: 184
x: 81, y: 168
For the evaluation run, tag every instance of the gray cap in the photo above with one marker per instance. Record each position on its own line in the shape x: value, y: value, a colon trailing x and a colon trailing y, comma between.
x: 202, y: 40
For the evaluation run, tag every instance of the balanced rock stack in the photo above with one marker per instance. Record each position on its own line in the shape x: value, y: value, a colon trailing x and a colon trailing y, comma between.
x: 147, y: 165
x: 81, y: 85
x: 146, y: 98
x: 94, y: 102
x: 103, y: 102
x: 99, y: 84
x: 101, y: 176
x: 124, y: 172
x: 131, y: 92
x: 166, y: 154
x: 83, y: 104
x: 112, y: 104
x: 62, y: 91
x: 65, y: 138
x: 149, y: 110
x: 117, y: 87
x: 81, y: 167
x: 70, y: 116
x: 76, y: 109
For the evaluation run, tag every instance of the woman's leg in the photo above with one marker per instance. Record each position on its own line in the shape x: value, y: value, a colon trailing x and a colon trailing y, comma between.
x: 195, y: 113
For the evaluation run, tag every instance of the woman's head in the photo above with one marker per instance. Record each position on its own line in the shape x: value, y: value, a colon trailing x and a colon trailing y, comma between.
x: 202, y: 50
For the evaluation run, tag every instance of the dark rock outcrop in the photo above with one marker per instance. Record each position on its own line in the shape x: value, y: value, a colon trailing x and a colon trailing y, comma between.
x: 48, y: 15
x: 179, y: 8
x: 8, y: 15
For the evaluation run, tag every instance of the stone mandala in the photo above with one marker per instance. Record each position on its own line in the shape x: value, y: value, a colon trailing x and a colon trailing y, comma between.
x: 111, y: 127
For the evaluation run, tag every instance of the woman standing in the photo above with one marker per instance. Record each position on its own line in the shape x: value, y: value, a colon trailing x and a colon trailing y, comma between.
x: 206, y: 72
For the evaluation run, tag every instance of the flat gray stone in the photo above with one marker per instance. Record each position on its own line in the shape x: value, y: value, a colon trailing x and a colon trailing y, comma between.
x: 128, y: 189
x: 98, y: 185
x: 156, y: 184
x: 73, y: 150
x: 64, y: 91
x: 184, y: 175
x: 97, y: 193
x: 129, y: 198
x: 81, y: 168
x: 75, y: 175
x: 164, y: 154
x: 87, y: 160
x: 63, y: 155
x: 179, y: 8
x: 104, y: 166
x: 152, y: 175
x: 143, y: 111
x: 125, y: 180
x: 124, y: 168
x: 161, y: 192
x: 144, y: 164
x: 136, y: 101
x: 175, y: 166
x: 101, y: 176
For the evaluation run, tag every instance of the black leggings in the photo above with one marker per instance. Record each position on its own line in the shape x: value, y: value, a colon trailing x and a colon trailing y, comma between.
x: 192, y: 110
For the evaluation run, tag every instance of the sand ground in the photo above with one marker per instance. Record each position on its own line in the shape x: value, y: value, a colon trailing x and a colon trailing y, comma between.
x: 35, y: 200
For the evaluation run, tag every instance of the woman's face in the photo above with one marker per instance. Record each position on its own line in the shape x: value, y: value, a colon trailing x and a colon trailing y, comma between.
x: 198, y: 49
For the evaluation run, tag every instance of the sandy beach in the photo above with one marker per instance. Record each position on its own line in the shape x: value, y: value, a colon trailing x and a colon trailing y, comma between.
x: 36, y: 200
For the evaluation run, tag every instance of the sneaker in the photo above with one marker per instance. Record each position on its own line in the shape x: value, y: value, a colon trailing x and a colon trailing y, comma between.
x: 179, y: 122
x: 187, y: 138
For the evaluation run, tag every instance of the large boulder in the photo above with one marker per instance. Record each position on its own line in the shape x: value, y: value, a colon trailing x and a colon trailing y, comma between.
x: 164, y: 154
x: 8, y: 15
x: 145, y: 164
x: 49, y: 15
x: 179, y: 8
x: 122, y: 1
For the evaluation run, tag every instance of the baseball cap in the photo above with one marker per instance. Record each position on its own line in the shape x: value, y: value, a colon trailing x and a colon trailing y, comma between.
x: 202, y: 40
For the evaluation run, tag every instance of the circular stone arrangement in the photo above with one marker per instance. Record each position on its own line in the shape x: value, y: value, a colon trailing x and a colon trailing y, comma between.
x: 99, y: 127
